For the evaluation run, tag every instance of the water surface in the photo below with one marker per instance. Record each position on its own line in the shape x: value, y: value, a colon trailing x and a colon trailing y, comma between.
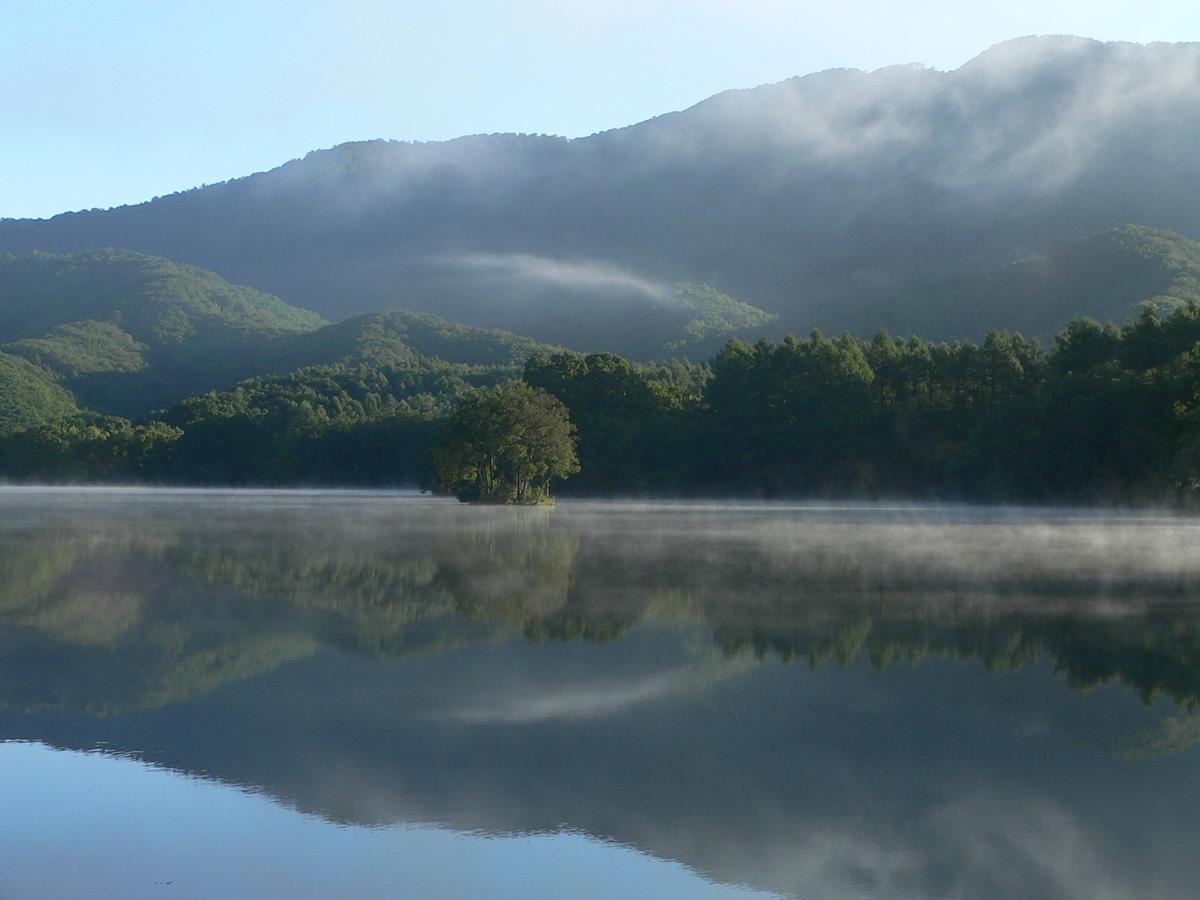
x: 315, y: 694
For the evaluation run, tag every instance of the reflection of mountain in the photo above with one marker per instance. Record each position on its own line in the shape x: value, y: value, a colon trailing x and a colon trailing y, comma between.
x: 211, y: 595
x: 794, y: 780
x: 409, y: 693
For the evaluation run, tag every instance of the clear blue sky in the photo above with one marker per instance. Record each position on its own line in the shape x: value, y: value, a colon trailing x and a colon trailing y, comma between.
x: 106, y: 103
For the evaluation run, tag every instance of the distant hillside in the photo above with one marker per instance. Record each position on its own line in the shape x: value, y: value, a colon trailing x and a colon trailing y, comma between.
x: 684, y: 320
x: 1108, y: 276
x: 126, y: 332
x: 802, y: 198
x: 123, y: 333
x: 156, y: 301
x: 29, y: 395
x: 397, y: 337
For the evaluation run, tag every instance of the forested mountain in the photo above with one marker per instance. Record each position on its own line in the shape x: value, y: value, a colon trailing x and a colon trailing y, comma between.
x: 399, y: 337
x: 1109, y: 276
x: 30, y: 395
x: 123, y: 333
x: 806, y: 198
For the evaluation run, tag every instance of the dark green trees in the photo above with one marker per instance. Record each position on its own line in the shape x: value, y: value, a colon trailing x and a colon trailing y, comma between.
x: 506, y: 445
x: 634, y: 429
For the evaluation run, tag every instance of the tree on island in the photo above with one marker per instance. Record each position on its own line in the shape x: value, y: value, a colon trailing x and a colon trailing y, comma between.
x: 505, y: 445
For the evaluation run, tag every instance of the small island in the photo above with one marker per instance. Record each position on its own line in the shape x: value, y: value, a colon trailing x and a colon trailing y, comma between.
x: 505, y: 445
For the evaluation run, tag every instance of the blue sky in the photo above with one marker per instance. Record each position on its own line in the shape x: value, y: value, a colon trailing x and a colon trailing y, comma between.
x: 111, y: 103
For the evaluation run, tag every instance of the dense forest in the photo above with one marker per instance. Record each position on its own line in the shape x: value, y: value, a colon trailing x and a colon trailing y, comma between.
x: 1106, y: 414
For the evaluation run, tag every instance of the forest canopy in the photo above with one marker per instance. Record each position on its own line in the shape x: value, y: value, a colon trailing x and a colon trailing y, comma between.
x: 1106, y: 414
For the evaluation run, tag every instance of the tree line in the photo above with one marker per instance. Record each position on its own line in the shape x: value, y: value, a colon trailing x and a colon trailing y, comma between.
x: 1106, y: 414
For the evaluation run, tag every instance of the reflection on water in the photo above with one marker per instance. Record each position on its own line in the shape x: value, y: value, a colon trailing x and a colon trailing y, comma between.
x: 819, y: 701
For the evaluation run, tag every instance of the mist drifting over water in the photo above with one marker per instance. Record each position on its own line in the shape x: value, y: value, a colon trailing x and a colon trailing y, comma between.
x: 802, y: 698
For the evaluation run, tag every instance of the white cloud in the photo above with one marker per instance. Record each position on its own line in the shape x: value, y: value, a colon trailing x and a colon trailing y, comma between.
x: 584, y: 275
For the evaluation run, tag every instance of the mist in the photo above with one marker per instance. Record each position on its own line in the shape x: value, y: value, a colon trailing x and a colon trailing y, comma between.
x: 805, y: 198
x: 856, y: 674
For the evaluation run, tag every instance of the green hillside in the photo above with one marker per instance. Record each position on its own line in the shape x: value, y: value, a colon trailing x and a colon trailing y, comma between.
x: 126, y: 333
x: 399, y: 337
x: 687, y: 321
x: 29, y: 395
x: 708, y: 319
x: 158, y: 302
x: 1108, y: 276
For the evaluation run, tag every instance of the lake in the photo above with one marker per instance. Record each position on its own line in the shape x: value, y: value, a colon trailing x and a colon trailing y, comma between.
x: 293, y: 694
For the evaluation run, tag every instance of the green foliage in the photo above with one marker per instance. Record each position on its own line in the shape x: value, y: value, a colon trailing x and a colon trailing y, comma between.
x: 83, y: 348
x: 711, y: 317
x: 29, y: 395
x: 636, y: 425
x: 129, y: 333
x: 157, y: 301
x: 398, y: 337
x: 90, y: 449
x: 1108, y: 414
x: 322, y: 425
x: 506, y: 445
x: 792, y: 416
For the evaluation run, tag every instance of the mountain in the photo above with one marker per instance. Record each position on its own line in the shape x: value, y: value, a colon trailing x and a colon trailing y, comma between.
x: 399, y: 337
x: 805, y: 198
x: 124, y: 332
x: 1108, y: 276
x: 30, y: 395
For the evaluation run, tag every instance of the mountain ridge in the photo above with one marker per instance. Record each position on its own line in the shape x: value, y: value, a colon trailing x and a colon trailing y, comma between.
x: 1110, y: 276
x: 801, y: 198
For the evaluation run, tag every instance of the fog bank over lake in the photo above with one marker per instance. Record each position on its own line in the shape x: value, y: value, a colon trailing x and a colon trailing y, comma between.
x: 814, y: 700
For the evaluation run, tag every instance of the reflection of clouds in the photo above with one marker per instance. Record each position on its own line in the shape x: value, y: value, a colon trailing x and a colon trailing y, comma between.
x: 601, y: 697
x: 825, y: 784
x: 1175, y: 734
x: 1019, y: 845
x: 984, y: 845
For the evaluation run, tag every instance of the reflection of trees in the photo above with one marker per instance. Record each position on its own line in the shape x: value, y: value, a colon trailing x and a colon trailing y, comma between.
x: 158, y: 615
x: 1154, y: 652
x: 151, y: 613
x: 517, y: 570
x: 1174, y: 734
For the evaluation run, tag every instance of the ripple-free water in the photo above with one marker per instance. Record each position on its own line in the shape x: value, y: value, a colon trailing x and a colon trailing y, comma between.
x: 308, y: 694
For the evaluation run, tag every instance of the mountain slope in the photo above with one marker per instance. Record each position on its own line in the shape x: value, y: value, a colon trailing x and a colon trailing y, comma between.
x: 123, y: 333
x: 800, y: 197
x: 29, y: 395
x: 1108, y: 276
x: 126, y: 332
x: 397, y: 337
x: 156, y: 301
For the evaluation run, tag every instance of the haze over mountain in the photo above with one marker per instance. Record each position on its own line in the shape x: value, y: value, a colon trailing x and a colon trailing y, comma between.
x: 805, y: 198
x: 125, y: 333
x: 1110, y: 276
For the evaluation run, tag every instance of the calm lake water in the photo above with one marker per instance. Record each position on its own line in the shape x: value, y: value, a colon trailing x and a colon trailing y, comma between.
x: 321, y: 694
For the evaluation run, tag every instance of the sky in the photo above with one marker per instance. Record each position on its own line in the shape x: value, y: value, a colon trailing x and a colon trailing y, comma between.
x: 106, y: 103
